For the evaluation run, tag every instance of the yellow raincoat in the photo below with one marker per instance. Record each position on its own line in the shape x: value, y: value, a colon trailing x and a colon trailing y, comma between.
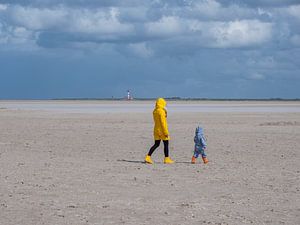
x: 160, y: 121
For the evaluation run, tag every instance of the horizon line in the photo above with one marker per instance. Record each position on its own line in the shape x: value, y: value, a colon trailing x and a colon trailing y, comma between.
x: 150, y: 98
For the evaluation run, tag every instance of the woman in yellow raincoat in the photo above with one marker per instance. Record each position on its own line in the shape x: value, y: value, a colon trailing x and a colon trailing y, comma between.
x: 160, y: 131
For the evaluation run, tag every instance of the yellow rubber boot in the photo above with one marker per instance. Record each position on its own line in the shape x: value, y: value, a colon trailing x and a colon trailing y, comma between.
x: 168, y: 160
x: 148, y: 159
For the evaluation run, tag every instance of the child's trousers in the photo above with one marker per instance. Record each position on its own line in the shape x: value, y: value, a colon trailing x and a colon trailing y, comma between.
x: 199, y: 151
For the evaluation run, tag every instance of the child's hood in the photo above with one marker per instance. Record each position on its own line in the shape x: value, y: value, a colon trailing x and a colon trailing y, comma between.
x: 160, y: 103
x: 199, y: 131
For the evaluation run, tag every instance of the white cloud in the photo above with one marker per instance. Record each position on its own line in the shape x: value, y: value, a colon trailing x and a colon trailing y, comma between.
x: 194, y: 24
x: 101, y: 21
x: 231, y: 34
x: 166, y: 26
x: 15, y: 35
x: 263, y: 12
x: 133, y: 14
x: 214, y: 10
x: 21, y: 34
x: 294, y: 10
x: 208, y: 7
x: 3, y: 7
x: 39, y: 19
x: 243, y: 33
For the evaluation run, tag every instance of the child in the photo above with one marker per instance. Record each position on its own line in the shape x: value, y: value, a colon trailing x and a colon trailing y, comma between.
x: 160, y: 131
x: 200, y: 146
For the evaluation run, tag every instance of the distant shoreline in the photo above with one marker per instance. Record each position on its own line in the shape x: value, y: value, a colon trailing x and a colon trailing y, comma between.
x: 174, y: 105
x: 152, y: 99
x: 178, y: 99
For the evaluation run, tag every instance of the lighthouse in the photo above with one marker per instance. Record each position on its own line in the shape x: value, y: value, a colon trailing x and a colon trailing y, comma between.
x: 129, y: 97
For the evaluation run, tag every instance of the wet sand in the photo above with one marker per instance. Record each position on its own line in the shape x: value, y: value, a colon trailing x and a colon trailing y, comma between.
x: 106, y: 106
x: 82, y: 168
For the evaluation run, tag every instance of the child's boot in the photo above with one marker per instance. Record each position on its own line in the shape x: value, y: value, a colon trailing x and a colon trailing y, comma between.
x: 148, y: 159
x: 205, y: 160
x: 193, y: 160
x: 168, y: 160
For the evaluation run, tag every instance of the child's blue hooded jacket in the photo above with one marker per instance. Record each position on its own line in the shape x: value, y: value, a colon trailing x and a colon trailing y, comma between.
x: 199, y: 138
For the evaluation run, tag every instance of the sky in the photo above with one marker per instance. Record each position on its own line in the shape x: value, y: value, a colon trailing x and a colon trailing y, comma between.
x: 156, y: 48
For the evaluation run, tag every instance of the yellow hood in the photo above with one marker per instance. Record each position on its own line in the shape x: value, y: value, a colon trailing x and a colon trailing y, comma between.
x: 160, y: 103
x: 161, y: 131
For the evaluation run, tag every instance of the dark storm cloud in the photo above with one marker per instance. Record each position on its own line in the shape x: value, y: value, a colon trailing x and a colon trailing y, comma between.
x: 261, y: 3
x: 229, y: 48
x: 202, y: 23
x: 82, y: 3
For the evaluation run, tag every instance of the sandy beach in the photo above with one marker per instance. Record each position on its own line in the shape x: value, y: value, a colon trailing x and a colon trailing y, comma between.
x: 87, y: 168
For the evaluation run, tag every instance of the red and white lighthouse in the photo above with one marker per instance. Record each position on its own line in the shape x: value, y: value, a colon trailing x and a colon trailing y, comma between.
x: 129, y: 97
